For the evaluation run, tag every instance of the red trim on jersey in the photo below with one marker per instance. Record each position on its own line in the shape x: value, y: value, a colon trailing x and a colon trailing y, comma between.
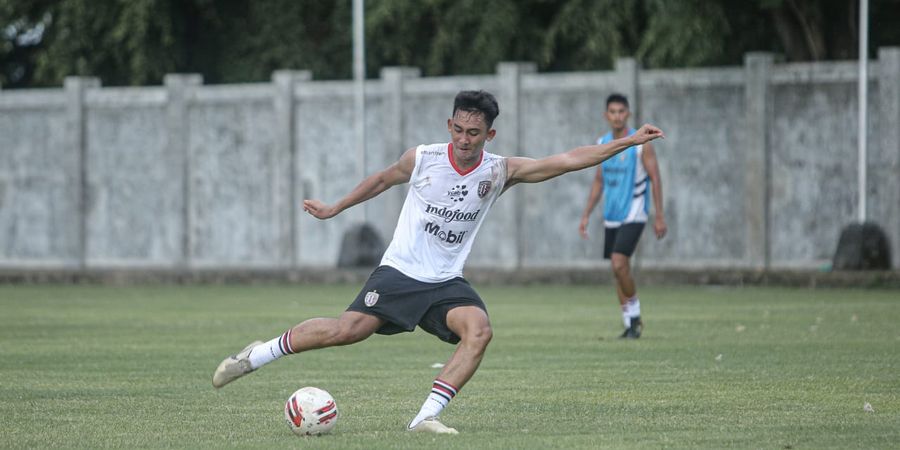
x: 457, y: 169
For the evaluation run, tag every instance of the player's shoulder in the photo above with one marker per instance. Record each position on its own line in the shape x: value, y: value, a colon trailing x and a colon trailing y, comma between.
x: 492, y: 157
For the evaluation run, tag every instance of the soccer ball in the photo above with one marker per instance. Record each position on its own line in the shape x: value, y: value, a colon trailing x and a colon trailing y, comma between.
x: 310, y: 411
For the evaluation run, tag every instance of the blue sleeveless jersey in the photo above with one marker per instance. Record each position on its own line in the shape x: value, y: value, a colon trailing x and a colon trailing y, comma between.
x: 618, y: 181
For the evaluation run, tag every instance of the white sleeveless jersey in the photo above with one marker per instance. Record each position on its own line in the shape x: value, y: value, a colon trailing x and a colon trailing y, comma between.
x: 443, y: 211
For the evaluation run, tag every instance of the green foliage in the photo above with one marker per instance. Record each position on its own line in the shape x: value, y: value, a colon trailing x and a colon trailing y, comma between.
x: 589, y: 34
x: 473, y: 36
x: 130, y: 367
x: 684, y: 33
x: 136, y: 42
x: 253, y: 39
x: 120, y: 42
x: 451, y: 36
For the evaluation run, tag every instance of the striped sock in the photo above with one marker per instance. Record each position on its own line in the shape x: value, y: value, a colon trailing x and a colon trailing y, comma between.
x: 270, y: 351
x: 441, y: 394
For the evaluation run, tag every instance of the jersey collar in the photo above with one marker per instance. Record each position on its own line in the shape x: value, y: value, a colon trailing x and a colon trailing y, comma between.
x: 462, y: 172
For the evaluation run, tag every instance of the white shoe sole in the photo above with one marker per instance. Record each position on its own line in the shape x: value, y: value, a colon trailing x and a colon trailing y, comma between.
x: 432, y: 426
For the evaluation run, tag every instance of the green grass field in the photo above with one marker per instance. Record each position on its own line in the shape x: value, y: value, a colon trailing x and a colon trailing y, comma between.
x: 91, y: 367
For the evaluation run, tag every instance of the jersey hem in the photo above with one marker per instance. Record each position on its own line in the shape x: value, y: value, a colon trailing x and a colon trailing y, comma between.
x: 418, y: 277
x: 609, y: 224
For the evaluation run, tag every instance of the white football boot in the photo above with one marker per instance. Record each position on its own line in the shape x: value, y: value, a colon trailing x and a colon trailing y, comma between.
x: 432, y: 425
x: 234, y: 366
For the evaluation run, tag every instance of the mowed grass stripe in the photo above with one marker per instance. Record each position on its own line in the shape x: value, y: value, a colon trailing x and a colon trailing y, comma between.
x: 93, y: 367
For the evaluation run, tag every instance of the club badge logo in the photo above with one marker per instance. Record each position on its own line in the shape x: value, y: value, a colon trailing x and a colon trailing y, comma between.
x: 483, y: 188
x: 371, y: 298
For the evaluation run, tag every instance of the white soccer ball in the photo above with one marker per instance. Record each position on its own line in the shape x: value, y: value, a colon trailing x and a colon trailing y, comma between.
x: 310, y: 411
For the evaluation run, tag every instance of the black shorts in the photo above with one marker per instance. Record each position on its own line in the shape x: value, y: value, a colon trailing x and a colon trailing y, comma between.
x: 622, y: 239
x: 403, y: 302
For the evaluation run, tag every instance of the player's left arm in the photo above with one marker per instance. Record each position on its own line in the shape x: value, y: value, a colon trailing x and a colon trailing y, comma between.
x: 648, y: 158
x: 528, y: 170
x: 371, y: 186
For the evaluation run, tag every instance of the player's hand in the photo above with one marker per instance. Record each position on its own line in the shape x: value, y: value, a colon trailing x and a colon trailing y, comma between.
x: 318, y: 209
x: 648, y: 133
x: 582, y: 227
x: 659, y: 226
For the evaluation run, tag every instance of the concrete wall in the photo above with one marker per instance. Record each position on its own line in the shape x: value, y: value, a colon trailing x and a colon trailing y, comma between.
x: 759, y: 165
x: 701, y: 163
x: 37, y: 173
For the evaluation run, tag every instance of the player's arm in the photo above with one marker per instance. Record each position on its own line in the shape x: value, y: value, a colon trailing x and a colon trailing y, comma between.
x: 398, y: 173
x: 648, y: 158
x: 527, y: 170
x: 593, y: 198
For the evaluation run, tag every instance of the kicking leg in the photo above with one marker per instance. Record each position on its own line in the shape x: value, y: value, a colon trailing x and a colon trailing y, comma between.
x: 349, y: 328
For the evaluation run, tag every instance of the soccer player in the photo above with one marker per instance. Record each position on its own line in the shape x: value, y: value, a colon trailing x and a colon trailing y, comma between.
x: 623, y: 183
x: 419, y: 282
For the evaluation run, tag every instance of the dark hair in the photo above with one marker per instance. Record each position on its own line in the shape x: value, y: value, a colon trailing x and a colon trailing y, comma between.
x: 616, y: 98
x: 477, y: 102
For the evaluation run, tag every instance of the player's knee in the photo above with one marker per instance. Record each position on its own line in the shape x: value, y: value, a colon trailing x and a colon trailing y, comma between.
x: 620, y: 265
x: 351, y: 328
x: 479, y: 337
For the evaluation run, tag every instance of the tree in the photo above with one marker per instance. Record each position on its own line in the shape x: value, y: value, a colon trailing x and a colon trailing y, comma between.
x: 139, y: 41
x: 22, y: 29
x: 136, y: 42
x: 120, y: 42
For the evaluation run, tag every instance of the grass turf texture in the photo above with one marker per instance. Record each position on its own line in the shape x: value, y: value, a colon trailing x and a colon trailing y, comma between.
x: 87, y: 366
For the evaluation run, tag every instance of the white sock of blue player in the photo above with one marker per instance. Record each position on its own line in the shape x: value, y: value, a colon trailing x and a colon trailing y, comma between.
x: 270, y: 351
x: 441, y: 394
x: 630, y: 310
x: 634, y: 307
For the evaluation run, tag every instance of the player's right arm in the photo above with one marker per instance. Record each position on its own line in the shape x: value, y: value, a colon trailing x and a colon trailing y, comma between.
x: 397, y: 173
x: 593, y: 198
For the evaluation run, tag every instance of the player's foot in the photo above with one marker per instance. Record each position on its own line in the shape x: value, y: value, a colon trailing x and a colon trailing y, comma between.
x: 432, y: 425
x: 234, y: 367
x: 635, y: 330
x: 637, y: 327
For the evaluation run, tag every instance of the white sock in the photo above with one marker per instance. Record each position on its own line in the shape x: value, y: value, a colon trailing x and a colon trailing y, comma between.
x: 270, y: 351
x: 626, y: 318
x: 634, y: 307
x: 441, y: 394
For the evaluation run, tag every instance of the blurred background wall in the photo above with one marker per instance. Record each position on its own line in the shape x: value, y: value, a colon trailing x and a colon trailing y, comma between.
x: 759, y: 164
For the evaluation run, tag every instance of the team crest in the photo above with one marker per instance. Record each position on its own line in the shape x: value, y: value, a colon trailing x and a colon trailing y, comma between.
x: 371, y: 298
x: 483, y: 188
